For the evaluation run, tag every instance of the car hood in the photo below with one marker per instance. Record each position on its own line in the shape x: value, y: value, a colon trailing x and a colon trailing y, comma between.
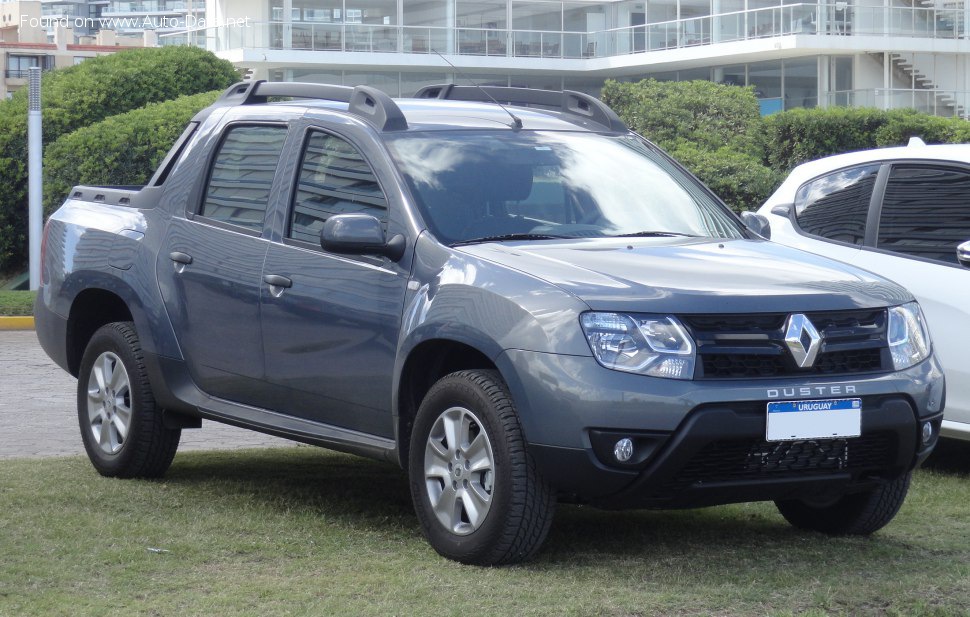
x: 694, y: 275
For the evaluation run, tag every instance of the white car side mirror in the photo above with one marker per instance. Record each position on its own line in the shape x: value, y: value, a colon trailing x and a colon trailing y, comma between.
x: 963, y: 254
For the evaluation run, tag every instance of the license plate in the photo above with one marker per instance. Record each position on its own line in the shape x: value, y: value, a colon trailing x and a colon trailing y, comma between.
x: 816, y: 419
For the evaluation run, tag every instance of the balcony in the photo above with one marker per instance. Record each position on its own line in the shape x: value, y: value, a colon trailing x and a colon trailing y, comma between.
x: 838, y: 19
x: 115, y: 9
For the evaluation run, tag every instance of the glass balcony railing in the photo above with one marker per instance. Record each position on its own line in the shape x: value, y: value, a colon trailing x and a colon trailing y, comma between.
x: 936, y: 102
x: 838, y: 19
x: 158, y: 6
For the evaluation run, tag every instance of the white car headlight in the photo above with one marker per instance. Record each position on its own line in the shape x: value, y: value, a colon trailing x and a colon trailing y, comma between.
x: 655, y: 345
x: 909, y: 338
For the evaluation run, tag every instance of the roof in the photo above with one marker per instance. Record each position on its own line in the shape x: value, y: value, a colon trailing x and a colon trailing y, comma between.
x: 433, y: 114
x: 435, y: 107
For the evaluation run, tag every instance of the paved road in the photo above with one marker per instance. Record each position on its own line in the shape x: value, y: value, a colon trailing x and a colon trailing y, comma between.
x: 38, y: 416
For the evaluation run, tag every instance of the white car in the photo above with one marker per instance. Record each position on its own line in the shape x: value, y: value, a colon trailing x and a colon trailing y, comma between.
x: 903, y: 213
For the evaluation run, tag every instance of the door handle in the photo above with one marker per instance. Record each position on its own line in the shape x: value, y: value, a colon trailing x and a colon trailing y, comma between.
x: 180, y: 260
x: 275, y: 280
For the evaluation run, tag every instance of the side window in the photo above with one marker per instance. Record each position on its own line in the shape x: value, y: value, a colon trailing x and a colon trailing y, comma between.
x: 836, y: 206
x: 334, y: 179
x: 242, y: 175
x: 925, y: 212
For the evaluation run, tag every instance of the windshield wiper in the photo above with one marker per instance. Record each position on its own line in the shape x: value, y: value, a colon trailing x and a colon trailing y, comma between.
x: 648, y: 234
x: 509, y: 237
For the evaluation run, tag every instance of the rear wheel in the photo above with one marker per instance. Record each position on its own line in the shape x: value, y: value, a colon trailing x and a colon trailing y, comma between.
x: 855, y: 514
x: 476, y: 491
x: 121, y: 427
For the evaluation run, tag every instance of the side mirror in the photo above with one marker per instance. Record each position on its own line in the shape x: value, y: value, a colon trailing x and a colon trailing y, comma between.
x: 757, y: 223
x: 360, y: 234
x: 963, y: 254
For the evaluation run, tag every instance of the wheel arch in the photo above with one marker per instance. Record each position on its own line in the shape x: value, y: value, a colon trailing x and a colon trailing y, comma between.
x: 424, y: 365
x: 91, y: 309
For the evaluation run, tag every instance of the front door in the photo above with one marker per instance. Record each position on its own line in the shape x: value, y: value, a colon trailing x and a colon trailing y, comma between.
x: 330, y: 332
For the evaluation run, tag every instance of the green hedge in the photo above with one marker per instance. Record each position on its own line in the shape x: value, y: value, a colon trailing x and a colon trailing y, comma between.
x: 122, y: 149
x: 740, y: 179
x: 710, y: 128
x: 89, y: 92
x: 716, y: 131
x: 800, y: 135
x: 701, y: 113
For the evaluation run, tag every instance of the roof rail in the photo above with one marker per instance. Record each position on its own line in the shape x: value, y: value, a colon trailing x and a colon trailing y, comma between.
x: 368, y: 103
x: 567, y: 101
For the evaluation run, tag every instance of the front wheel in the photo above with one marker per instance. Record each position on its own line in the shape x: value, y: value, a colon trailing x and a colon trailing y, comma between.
x: 855, y: 514
x: 476, y: 491
x: 121, y: 427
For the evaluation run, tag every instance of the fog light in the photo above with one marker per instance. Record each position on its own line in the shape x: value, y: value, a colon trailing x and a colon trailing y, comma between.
x: 927, y: 434
x: 623, y: 450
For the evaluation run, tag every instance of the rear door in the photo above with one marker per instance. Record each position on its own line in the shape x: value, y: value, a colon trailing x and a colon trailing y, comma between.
x: 209, y: 268
x: 330, y: 335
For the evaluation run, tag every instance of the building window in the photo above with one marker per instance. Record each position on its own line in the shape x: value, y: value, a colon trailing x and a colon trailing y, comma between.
x: 18, y: 67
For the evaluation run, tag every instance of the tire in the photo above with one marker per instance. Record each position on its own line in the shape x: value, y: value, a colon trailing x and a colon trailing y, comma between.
x: 855, y: 514
x: 123, y: 433
x: 476, y: 491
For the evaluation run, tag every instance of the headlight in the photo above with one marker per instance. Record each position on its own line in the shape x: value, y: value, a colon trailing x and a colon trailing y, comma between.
x: 909, y: 338
x: 655, y: 345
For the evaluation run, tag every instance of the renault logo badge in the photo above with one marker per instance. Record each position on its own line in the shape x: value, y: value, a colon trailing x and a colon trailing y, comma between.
x: 803, y: 340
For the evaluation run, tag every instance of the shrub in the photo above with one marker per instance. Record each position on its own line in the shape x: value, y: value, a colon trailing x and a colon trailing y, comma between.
x: 701, y: 113
x: 710, y: 128
x: 800, y: 135
x: 120, y: 150
x: 740, y: 179
x: 80, y: 95
x: 905, y: 123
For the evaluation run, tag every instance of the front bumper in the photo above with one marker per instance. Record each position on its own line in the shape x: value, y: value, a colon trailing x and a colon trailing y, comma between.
x: 701, y: 443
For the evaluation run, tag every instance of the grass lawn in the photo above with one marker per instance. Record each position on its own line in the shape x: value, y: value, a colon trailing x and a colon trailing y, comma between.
x: 307, y: 531
x: 16, y: 303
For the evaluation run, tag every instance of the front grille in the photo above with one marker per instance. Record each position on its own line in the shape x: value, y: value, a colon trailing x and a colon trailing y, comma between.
x: 753, y: 346
x: 751, y: 460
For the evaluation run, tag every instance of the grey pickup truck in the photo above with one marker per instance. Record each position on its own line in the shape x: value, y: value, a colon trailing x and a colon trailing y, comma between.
x: 504, y: 291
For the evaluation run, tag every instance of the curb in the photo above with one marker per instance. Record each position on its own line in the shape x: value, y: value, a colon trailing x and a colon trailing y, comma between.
x: 16, y: 323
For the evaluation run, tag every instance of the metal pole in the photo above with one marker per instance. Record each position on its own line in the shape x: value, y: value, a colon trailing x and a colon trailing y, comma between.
x: 35, y: 171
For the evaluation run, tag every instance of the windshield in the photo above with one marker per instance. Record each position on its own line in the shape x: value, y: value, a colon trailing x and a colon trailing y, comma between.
x: 474, y: 186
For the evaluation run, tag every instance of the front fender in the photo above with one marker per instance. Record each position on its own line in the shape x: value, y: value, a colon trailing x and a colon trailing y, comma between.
x: 489, y: 306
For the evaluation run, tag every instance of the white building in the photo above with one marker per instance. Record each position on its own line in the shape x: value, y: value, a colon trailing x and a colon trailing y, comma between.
x: 168, y: 19
x: 882, y: 53
x: 25, y: 43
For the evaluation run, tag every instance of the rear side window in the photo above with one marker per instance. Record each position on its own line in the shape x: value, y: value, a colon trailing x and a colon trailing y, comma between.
x: 835, y: 206
x: 242, y: 175
x: 925, y: 212
x: 334, y: 179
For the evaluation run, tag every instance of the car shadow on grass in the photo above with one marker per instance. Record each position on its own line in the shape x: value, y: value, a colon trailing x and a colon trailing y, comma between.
x: 951, y: 457
x: 366, y: 494
x: 341, y: 487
